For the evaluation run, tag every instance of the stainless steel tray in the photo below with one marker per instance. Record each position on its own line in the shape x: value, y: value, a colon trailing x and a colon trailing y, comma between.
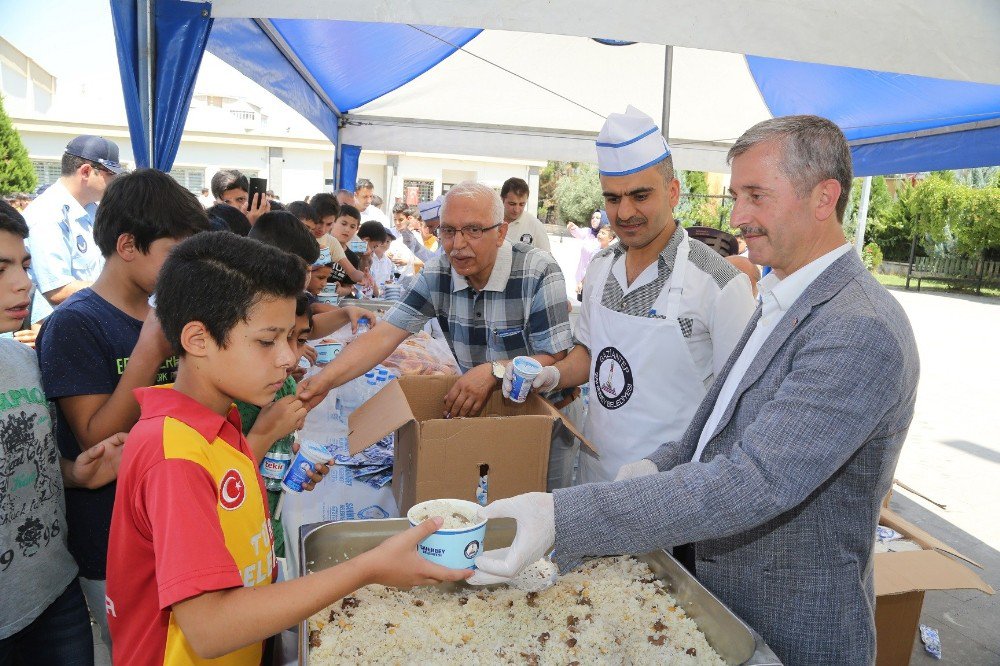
x: 323, y: 545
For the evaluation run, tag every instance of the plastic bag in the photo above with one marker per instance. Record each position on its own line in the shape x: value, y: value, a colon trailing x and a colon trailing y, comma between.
x: 421, y: 354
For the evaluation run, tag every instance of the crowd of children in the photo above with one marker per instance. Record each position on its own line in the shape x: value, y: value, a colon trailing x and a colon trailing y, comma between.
x: 168, y: 558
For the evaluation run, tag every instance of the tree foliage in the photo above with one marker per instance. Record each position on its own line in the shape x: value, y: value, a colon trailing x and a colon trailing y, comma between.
x: 696, y: 208
x: 16, y: 172
x: 578, y: 194
x: 948, y: 215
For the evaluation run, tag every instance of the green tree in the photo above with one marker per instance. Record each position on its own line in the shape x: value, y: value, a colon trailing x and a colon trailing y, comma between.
x: 695, y: 208
x: 578, y: 194
x: 16, y: 172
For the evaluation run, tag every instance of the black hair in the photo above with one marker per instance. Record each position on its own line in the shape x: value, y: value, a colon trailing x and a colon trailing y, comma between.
x: 302, y: 308
x: 516, y: 185
x: 276, y: 205
x: 400, y: 209
x: 284, y: 231
x: 232, y: 216
x: 303, y: 211
x: 216, y: 279
x: 325, y: 205
x: 12, y: 221
x: 364, y: 184
x: 350, y: 211
x: 149, y: 205
x: 228, y: 179
x: 373, y: 231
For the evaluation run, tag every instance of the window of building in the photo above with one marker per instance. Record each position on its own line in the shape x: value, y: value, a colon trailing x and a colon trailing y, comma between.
x: 193, y: 179
x: 48, y: 171
x: 424, y: 187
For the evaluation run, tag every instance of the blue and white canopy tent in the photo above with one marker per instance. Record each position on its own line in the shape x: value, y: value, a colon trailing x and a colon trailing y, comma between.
x: 915, y: 87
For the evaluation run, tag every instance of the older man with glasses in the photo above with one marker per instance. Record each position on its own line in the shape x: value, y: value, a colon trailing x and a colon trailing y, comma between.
x: 494, y: 300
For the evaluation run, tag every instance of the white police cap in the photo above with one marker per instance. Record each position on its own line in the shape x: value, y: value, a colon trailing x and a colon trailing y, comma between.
x: 429, y: 210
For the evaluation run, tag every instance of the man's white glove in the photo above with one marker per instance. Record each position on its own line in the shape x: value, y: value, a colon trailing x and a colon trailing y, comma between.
x: 536, y: 532
x: 546, y: 380
x: 634, y: 470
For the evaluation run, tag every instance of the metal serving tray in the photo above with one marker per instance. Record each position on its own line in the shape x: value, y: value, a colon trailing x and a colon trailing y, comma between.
x: 323, y: 545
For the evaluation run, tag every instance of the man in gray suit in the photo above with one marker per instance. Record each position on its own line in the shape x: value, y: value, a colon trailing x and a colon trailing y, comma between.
x: 777, y: 482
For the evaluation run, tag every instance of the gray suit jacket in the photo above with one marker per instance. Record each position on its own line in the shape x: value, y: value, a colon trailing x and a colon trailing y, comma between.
x: 783, y: 506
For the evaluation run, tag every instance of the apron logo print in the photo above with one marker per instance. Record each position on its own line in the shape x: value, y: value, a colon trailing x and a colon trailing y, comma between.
x: 613, y: 379
x: 527, y: 238
x: 81, y: 243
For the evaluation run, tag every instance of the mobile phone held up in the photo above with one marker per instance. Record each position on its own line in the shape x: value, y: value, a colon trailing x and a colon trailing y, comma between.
x: 257, y: 186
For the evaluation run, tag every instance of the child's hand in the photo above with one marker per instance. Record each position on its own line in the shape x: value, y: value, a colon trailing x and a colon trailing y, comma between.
x: 310, y: 354
x: 151, y: 337
x: 98, y: 465
x: 396, y: 563
x: 320, y: 470
x: 257, y: 207
x: 280, y: 418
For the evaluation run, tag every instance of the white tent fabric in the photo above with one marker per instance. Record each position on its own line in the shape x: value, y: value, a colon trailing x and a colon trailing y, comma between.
x: 714, y: 99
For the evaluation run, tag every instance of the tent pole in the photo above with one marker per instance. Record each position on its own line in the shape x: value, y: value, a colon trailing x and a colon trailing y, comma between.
x: 866, y: 195
x: 147, y: 59
x: 668, y: 74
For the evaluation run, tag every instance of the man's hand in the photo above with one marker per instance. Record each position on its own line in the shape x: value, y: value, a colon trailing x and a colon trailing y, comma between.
x: 536, y: 532
x: 356, y: 314
x: 470, y: 392
x: 312, y: 390
x: 396, y: 563
x: 545, y: 381
x: 399, y: 261
x: 255, y: 209
x: 96, y: 466
x: 634, y: 470
x: 280, y: 418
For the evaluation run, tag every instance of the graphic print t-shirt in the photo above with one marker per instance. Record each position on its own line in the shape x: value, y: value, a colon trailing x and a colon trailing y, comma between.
x: 83, y: 349
x: 35, y: 566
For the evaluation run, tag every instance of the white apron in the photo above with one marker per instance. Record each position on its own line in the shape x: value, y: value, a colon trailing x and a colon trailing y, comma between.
x: 644, y: 386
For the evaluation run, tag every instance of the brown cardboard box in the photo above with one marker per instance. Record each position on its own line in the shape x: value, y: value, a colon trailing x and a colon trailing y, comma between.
x: 443, y: 458
x: 901, y: 580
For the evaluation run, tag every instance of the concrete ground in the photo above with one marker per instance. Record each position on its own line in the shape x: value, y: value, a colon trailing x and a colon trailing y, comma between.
x: 951, y: 456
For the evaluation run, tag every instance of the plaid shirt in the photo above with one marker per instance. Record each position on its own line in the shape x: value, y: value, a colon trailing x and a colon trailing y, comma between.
x: 521, y: 311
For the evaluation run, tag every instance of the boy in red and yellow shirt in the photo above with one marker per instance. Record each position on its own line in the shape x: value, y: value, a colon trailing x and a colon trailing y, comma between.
x: 191, y: 557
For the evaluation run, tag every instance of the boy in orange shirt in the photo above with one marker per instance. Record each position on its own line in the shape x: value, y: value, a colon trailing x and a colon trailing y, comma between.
x: 191, y: 559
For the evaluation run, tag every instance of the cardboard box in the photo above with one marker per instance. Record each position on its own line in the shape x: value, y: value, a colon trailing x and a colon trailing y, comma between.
x: 443, y: 458
x: 901, y: 580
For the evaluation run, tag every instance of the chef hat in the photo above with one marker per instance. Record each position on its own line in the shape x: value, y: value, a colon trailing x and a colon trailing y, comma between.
x: 430, y: 210
x: 629, y: 142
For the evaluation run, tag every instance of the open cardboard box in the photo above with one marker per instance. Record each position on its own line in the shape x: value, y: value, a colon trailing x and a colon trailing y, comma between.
x: 901, y: 580
x: 444, y: 458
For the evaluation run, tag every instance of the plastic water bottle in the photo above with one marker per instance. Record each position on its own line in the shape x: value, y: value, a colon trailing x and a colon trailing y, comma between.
x: 371, y: 386
x: 364, y: 325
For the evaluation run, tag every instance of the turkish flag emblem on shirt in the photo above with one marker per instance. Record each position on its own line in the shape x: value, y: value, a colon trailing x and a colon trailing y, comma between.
x: 232, y: 490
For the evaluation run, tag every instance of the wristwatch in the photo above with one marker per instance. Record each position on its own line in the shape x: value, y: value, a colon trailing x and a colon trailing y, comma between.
x: 498, y: 370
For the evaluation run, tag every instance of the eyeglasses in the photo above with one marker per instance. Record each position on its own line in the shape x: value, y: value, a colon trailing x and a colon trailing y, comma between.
x: 471, y: 232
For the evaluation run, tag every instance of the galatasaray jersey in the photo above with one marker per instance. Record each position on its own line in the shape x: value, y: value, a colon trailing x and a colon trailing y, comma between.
x: 189, y: 518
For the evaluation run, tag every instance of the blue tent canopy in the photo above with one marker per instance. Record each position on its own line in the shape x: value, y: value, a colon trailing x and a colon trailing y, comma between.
x: 334, y: 72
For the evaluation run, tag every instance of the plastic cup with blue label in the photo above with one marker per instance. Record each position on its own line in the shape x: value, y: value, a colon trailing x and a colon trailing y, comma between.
x: 310, y: 454
x: 327, y: 351
x: 459, y: 540
x: 357, y: 246
x: 525, y: 369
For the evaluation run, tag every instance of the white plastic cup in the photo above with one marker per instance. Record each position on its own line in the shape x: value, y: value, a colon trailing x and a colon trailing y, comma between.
x: 525, y: 369
x: 310, y: 454
x: 453, y: 548
x: 327, y: 351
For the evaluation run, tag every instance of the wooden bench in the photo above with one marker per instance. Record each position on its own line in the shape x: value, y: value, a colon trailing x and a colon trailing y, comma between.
x: 963, y: 272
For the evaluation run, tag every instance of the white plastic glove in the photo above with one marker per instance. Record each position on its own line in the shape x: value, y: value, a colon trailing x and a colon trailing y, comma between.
x: 634, y: 470
x: 546, y: 380
x: 536, y: 532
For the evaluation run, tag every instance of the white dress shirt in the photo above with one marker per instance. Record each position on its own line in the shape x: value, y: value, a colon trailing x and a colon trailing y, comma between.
x: 777, y: 296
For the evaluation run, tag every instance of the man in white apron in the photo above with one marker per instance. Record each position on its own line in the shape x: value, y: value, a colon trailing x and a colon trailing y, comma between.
x: 661, y: 312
